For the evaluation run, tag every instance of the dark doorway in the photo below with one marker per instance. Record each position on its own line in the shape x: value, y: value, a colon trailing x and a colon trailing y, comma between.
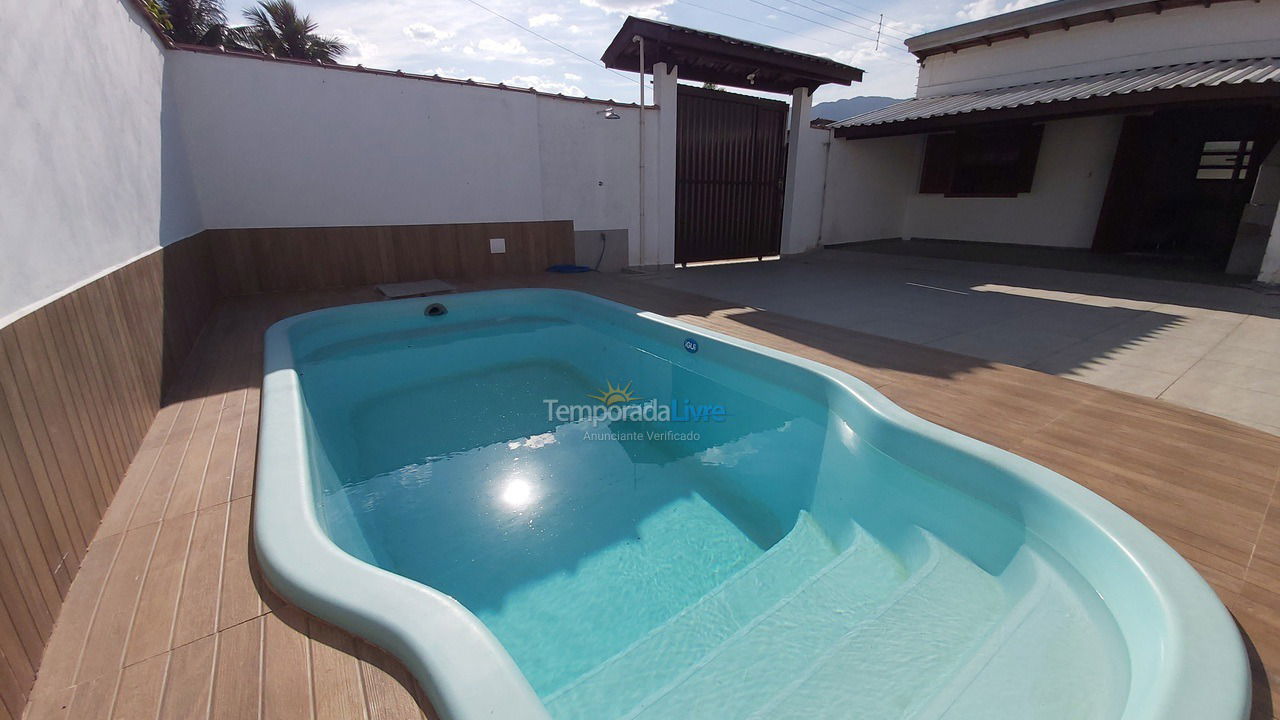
x: 1180, y: 182
x: 730, y: 171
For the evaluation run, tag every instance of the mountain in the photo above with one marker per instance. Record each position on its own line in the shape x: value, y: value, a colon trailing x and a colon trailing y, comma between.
x: 847, y: 108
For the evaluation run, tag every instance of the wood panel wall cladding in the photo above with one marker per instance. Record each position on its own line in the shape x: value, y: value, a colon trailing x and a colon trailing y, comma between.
x: 289, y: 259
x: 82, y: 378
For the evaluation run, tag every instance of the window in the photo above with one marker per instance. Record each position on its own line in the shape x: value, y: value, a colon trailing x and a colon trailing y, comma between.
x: 997, y: 162
x: 1224, y: 160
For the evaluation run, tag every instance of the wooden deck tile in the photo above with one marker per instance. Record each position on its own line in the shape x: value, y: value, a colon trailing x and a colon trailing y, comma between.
x: 286, y: 663
x: 169, y: 618
x: 92, y: 699
x: 158, y: 603
x: 109, y: 632
x: 140, y: 689
x: 237, y: 681
x: 153, y: 496
x: 62, y: 655
x: 239, y: 599
x: 391, y: 691
x: 202, y: 578
x: 144, y: 463
x: 189, y: 684
x: 50, y: 705
x: 335, y: 674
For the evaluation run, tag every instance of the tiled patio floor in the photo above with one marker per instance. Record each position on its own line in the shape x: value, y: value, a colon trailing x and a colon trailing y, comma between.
x: 1209, y: 347
x: 168, y: 618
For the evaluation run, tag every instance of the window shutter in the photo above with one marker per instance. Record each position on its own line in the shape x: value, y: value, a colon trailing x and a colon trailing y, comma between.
x: 939, y: 163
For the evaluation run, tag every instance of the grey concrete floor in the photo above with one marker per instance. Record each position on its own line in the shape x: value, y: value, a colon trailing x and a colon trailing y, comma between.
x: 1207, y: 347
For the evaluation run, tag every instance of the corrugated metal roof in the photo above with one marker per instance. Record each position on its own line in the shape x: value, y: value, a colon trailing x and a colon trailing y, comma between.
x: 1184, y: 75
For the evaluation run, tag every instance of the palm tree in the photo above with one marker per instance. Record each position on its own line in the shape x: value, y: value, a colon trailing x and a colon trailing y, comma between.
x: 198, y: 22
x: 276, y: 28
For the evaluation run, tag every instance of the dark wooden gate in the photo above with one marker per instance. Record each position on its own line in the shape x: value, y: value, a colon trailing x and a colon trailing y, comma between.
x: 730, y: 170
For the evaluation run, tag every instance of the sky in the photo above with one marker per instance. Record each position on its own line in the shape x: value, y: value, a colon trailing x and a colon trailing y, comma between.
x: 555, y: 46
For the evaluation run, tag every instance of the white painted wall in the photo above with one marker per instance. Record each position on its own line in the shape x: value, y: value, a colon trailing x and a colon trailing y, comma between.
x: 867, y: 186
x: 590, y: 166
x: 872, y: 192
x: 1223, y: 31
x: 285, y: 145
x: 810, y: 188
x: 1060, y: 211
x: 82, y: 168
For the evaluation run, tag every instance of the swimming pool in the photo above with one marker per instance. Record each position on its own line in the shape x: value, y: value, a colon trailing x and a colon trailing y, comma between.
x: 548, y: 504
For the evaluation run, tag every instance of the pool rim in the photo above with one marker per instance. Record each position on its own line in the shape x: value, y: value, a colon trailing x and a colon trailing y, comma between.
x: 467, y: 674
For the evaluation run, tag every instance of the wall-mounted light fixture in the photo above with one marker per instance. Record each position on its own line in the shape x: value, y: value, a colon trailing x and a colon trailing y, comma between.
x: 609, y: 114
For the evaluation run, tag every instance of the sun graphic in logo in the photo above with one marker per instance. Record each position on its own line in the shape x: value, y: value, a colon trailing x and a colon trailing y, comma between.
x: 612, y: 395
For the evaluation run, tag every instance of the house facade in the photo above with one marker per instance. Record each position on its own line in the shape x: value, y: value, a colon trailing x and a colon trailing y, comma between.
x: 1139, y: 128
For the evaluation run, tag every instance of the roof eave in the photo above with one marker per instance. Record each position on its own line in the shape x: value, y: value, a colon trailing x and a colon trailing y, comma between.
x: 1054, y: 16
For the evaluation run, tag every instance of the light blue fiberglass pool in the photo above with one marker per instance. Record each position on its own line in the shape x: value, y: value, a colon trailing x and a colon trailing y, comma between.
x: 548, y: 504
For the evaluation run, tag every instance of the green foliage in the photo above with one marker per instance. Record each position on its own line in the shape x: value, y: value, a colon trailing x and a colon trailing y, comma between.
x: 277, y: 28
x: 195, y: 22
x: 157, y: 13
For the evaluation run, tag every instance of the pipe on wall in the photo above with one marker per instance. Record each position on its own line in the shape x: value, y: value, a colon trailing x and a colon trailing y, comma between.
x: 640, y: 231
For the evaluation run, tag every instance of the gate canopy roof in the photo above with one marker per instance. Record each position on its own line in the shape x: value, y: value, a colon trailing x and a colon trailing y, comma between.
x: 709, y: 57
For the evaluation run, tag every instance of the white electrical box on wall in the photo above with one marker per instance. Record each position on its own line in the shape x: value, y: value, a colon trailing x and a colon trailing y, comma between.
x: 497, y: 245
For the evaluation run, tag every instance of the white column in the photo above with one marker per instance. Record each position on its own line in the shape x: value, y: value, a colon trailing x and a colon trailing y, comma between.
x: 660, y: 245
x: 793, y: 240
x: 1270, y: 272
x: 1266, y: 202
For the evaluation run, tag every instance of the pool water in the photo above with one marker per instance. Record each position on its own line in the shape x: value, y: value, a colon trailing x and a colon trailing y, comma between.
x: 770, y: 563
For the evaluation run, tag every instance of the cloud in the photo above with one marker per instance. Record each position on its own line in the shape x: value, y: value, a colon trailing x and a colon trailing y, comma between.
x: 359, y: 50
x: 426, y: 34
x: 856, y: 56
x: 979, y: 9
x: 510, y: 46
x: 545, y: 85
x: 420, y: 35
x: 639, y: 8
x: 510, y: 49
x: 544, y: 19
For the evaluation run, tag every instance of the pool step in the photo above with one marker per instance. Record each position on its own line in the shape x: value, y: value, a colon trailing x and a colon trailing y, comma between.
x: 961, y: 682
x: 1051, y: 635
x: 618, y: 684
x: 763, y: 657
x: 891, y: 664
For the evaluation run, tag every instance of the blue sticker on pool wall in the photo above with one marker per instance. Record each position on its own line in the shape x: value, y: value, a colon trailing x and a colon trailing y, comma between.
x: 691, y: 345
